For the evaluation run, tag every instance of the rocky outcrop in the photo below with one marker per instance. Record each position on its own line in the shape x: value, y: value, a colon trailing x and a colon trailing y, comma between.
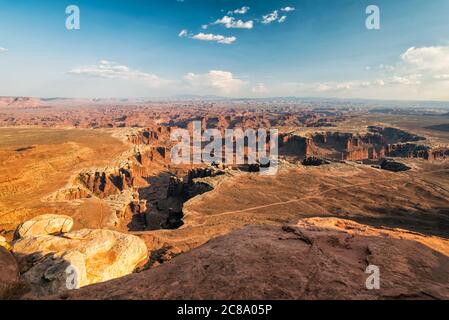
x: 150, y: 136
x: 4, y: 243
x: 9, y: 274
x: 192, y: 185
x: 294, y: 145
x: 53, y: 263
x: 45, y: 224
x: 394, y: 135
x: 69, y: 193
x: 376, y: 144
x: 196, y: 182
x: 125, y: 206
x: 409, y: 150
x: 440, y: 153
x: 393, y: 166
x: 317, y: 259
x: 107, y: 181
x: 314, y: 161
x: 152, y: 154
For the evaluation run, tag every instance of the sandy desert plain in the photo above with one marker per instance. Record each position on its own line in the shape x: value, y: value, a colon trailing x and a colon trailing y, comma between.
x: 90, y: 185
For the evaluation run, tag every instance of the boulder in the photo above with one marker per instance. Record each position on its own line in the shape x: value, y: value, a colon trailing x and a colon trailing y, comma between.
x: 54, y: 263
x: 45, y: 224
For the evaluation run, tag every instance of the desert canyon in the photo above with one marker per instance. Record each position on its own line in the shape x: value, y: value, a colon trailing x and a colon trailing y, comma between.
x: 90, y: 184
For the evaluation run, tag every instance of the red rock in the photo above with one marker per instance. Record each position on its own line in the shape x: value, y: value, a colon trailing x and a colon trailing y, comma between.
x: 9, y: 274
x: 318, y: 259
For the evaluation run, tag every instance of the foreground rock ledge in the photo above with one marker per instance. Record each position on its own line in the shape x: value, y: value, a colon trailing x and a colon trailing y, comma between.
x: 9, y: 274
x: 44, y: 224
x: 318, y: 259
x: 96, y: 255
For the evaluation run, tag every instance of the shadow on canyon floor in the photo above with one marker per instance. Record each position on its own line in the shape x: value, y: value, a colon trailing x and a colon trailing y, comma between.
x: 430, y: 222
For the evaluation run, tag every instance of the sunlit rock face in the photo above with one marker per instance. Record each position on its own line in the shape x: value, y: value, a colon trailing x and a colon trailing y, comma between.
x: 53, y: 263
x: 45, y: 224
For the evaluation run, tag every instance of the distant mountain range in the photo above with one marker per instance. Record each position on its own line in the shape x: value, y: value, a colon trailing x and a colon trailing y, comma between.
x: 34, y: 102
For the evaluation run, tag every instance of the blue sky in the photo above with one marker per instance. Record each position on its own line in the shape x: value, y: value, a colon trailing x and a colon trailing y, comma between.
x: 252, y: 48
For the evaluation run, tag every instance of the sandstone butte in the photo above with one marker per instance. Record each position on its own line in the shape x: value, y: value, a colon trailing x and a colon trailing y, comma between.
x: 319, y: 258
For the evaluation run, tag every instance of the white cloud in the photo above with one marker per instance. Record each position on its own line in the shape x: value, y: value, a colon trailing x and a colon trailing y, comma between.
x: 231, y: 22
x: 241, y: 10
x: 183, y: 33
x: 219, y: 81
x: 288, y: 9
x: 214, y: 37
x: 111, y: 70
x: 420, y: 73
x: 441, y: 76
x: 282, y: 19
x: 427, y: 59
x: 381, y: 67
x: 269, y: 18
x: 274, y: 16
x: 380, y: 83
x: 418, y: 66
x: 324, y: 88
x: 405, y: 80
x: 259, y: 88
x: 204, y: 26
x: 3, y: 49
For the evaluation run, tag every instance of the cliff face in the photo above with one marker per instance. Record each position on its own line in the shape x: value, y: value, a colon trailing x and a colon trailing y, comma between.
x: 296, y: 146
x: 410, y: 150
x: 108, y: 182
x: 158, y: 153
x: 191, y: 185
x: 376, y: 144
x: 336, y: 145
x: 150, y: 136
x: 440, y: 153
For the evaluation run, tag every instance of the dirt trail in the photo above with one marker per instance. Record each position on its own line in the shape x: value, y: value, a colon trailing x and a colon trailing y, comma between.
x: 321, y: 193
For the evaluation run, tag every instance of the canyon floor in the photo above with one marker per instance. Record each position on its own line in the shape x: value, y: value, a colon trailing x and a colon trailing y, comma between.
x: 224, y: 232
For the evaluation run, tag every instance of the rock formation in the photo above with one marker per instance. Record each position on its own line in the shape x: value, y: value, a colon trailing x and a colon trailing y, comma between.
x: 92, y: 255
x: 45, y: 224
x: 4, y: 243
x: 314, y: 161
x: 374, y: 145
x: 105, y: 182
x: 9, y: 275
x: 393, y: 166
x: 317, y: 259
x: 150, y: 136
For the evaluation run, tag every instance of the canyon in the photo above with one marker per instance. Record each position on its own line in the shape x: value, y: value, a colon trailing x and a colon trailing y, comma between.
x: 105, y: 167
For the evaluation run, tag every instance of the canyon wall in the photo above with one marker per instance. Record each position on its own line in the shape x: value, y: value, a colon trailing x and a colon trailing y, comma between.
x: 377, y: 143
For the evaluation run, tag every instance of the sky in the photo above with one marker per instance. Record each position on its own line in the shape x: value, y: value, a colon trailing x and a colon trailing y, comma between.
x: 231, y: 48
